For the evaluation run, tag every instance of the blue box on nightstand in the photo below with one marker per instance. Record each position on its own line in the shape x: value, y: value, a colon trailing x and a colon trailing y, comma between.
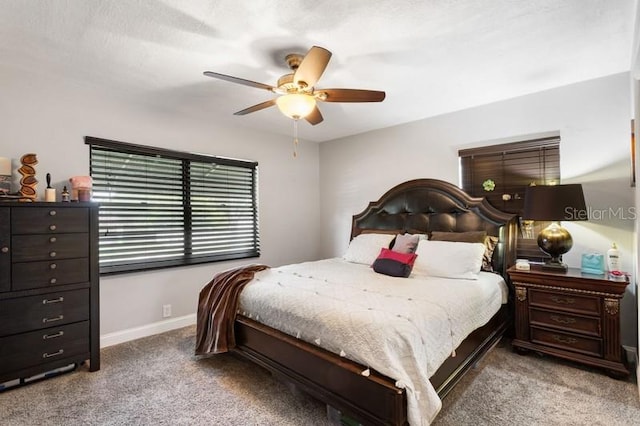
x: 592, y: 263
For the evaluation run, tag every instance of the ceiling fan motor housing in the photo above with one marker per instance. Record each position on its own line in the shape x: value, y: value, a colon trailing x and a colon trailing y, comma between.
x: 286, y: 84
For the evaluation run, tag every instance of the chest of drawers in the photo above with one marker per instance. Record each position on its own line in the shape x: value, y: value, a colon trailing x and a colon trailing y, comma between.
x: 49, y: 288
x: 571, y: 315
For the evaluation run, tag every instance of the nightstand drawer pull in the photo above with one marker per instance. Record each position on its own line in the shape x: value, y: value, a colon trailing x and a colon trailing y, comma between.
x: 47, y: 355
x: 562, y: 320
x: 5, y: 249
x: 563, y: 300
x: 52, y: 213
x: 53, y: 336
x: 49, y: 301
x: 58, y: 318
x: 52, y: 227
x: 567, y: 340
x: 53, y: 239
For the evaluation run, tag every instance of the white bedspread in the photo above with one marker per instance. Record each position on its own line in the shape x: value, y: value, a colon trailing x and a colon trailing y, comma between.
x: 405, y: 328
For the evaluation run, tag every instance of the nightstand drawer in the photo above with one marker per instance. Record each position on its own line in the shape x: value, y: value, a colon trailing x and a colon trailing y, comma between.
x: 43, y: 311
x: 29, y: 349
x: 45, y: 220
x: 27, y: 248
x: 564, y: 301
x: 571, y: 342
x: 28, y: 275
x: 567, y: 322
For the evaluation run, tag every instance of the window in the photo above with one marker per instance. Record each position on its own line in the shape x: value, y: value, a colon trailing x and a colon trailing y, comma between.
x: 500, y: 173
x: 161, y: 208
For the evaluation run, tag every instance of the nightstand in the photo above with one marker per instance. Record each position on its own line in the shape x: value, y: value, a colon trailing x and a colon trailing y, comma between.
x: 571, y: 315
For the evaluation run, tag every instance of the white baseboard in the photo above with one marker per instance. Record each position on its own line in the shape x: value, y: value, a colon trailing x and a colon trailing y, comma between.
x: 117, y: 337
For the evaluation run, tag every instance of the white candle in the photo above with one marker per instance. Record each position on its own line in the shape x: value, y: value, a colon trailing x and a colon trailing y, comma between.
x: 5, y: 166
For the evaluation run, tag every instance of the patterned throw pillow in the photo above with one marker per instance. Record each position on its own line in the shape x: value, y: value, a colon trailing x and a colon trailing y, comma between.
x: 490, y: 244
x: 394, y: 264
x: 405, y: 243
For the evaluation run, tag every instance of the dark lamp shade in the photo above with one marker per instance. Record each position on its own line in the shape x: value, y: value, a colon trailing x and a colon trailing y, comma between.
x: 554, y: 203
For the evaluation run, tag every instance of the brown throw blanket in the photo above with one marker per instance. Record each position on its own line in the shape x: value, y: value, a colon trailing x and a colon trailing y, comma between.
x: 217, y: 306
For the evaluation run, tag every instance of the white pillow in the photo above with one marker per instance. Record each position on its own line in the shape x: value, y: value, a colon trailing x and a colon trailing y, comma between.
x: 449, y: 259
x: 365, y: 248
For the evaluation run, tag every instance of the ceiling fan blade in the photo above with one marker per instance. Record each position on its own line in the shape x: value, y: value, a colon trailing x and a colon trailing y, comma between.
x: 314, y: 117
x: 239, y: 80
x: 312, y: 66
x: 351, y: 95
x: 258, y: 107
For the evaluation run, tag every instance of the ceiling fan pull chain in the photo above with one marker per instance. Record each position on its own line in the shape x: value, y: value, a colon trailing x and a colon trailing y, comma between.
x: 295, y: 138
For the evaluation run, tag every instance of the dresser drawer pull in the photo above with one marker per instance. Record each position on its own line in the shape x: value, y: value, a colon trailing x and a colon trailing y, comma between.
x: 563, y: 320
x: 567, y: 340
x: 53, y: 336
x: 53, y: 254
x: 53, y: 281
x: 52, y: 213
x: 5, y: 249
x: 53, y: 239
x: 53, y: 266
x: 47, y: 355
x: 52, y: 227
x: 58, y: 318
x: 563, y: 300
x: 50, y: 301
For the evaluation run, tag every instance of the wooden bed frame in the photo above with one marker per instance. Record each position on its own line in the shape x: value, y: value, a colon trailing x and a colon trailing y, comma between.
x: 417, y: 206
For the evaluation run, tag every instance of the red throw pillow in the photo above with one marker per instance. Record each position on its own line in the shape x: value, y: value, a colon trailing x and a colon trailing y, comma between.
x: 394, y: 264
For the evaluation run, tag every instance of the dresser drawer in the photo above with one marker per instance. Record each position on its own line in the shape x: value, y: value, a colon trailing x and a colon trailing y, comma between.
x: 571, y: 342
x: 43, y: 311
x: 44, y: 220
x: 37, y: 347
x: 566, y: 321
x: 27, y: 248
x: 564, y: 302
x: 5, y: 249
x: 28, y: 275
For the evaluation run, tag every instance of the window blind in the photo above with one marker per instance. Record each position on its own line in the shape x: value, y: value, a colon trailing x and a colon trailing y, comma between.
x: 512, y: 167
x: 161, y: 208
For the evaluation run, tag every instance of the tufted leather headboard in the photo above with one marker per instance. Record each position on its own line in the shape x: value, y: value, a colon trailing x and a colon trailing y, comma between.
x: 427, y: 205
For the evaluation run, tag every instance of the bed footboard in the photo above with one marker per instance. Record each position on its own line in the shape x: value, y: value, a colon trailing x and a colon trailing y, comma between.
x: 338, y: 382
x: 333, y: 380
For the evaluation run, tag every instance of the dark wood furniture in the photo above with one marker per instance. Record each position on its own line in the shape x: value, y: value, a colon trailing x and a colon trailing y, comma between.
x: 571, y: 315
x: 49, y: 295
x: 418, y: 206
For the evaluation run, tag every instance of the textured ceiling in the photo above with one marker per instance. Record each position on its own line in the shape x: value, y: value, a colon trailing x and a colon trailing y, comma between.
x: 430, y: 56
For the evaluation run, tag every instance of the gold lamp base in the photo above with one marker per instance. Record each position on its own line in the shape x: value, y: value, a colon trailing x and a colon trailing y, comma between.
x: 555, y: 241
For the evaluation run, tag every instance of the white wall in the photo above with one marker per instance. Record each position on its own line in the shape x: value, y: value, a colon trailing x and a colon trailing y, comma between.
x: 593, y: 119
x: 51, y: 119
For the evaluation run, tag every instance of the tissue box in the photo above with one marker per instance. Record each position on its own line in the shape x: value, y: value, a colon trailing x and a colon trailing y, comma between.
x: 593, y: 263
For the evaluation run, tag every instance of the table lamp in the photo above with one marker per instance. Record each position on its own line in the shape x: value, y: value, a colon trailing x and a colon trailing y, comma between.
x: 555, y: 203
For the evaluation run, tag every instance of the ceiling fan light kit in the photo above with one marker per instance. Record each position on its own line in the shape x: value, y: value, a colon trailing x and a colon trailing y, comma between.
x: 296, y: 105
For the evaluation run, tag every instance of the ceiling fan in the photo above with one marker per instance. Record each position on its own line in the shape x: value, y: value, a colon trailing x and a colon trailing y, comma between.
x: 298, y: 94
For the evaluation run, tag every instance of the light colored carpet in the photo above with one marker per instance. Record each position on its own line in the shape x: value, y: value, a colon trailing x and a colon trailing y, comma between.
x: 157, y: 381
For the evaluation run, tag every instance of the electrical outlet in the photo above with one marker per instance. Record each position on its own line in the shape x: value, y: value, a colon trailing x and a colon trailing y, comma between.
x: 166, y: 311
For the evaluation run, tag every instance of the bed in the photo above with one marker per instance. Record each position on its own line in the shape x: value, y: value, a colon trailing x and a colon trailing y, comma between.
x: 342, y: 380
